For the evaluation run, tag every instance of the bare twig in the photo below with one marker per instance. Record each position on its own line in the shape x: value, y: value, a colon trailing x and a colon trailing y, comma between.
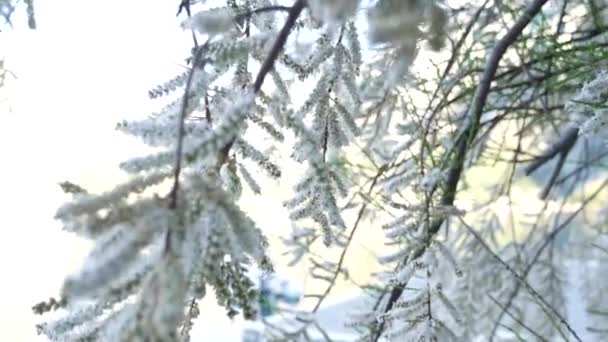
x: 520, y: 279
x: 517, y: 320
x: 446, y: 71
x: 185, y: 5
x: 181, y: 128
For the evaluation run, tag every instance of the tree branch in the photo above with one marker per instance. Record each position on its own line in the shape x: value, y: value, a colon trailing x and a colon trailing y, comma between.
x: 468, y: 134
x: 294, y: 13
x: 180, y: 138
x: 562, y: 145
x: 561, y: 148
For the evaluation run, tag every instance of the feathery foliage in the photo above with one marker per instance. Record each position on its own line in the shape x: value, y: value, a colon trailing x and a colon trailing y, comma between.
x: 429, y: 121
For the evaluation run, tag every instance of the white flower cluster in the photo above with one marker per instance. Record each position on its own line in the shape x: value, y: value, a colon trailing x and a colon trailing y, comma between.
x: 211, y: 22
x: 431, y: 179
x: 399, y: 24
x: 589, y: 108
x: 333, y: 12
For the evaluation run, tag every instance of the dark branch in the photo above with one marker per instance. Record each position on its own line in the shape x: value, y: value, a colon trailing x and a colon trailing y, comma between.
x: 562, y: 145
x: 294, y: 13
x: 181, y: 128
x: 562, y: 148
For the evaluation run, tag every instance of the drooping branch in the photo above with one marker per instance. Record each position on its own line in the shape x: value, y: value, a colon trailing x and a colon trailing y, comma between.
x: 465, y: 139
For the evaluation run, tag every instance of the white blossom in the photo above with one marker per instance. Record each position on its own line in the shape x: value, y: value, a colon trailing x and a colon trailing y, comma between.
x: 333, y: 11
x: 211, y: 22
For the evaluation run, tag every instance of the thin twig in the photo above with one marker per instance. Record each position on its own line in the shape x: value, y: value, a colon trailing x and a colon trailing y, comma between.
x: 350, y: 237
x: 603, y: 249
x: 446, y: 71
x: 181, y: 128
x: 518, y: 321
x: 185, y: 4
x: 180, y: 139
x: 520, y: 279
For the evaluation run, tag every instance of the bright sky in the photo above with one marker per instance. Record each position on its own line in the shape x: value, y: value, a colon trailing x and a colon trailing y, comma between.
x: 88, y: 65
